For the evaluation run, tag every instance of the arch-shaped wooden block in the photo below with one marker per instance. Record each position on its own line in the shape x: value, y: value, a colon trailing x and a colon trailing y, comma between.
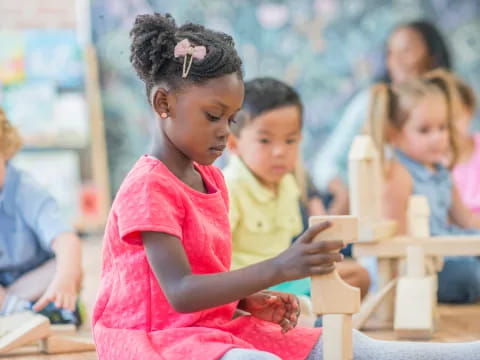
x: 330, y: 294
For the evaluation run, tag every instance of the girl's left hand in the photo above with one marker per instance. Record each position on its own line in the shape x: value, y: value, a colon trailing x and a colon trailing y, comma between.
x: 62, y: 290
x: 274, y: 306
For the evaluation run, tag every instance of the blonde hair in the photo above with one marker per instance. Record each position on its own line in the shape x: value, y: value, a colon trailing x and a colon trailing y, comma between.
x: 467, y: 95
x: 390, y: 107
x: 10, y: 140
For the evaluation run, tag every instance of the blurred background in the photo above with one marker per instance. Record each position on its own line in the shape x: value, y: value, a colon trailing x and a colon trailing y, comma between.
x: 67, y: 83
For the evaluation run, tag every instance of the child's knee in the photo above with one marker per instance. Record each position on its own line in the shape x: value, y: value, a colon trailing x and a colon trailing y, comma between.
x: 248, y: 354
x: 363, y: 277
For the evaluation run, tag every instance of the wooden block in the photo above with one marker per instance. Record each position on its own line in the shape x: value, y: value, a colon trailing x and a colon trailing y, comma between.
x: 63, y: 329
x: 378, y: 231
x: 418, y: 216
x: 330, y: 294
x: 15, y: 333
x: 365, y: 180
x: 415, y: 262
x: 362, y: 149
x: 344, y: 227
x: 432, y: 246
x: 414, y: 308
x: 66, y: 344
x: 418, y: 205
x: 386, y: 274
x: 59, y: 329
x: 337, y: 337
x: 370, y: 304
x: 333, y: 297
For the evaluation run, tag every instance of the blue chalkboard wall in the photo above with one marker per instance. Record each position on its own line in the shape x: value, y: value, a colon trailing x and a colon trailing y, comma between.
x: 327, y: 49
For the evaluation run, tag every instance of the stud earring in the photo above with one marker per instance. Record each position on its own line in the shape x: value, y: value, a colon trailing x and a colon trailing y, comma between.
x: 163, y: 115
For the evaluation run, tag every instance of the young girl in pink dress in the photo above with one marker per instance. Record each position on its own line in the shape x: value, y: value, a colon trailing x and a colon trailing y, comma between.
x: 467, y: 170
x: 166, y: 292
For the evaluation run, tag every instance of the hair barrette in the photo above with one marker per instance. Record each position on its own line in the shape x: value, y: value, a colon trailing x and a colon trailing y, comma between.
x: 185, y: 48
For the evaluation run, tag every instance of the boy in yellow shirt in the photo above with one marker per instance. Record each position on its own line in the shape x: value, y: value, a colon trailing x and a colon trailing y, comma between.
x: 264, y: 194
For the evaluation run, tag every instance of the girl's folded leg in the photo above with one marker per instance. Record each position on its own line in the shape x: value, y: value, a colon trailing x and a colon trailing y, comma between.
x: 248, y: 354
x: 366, y: 348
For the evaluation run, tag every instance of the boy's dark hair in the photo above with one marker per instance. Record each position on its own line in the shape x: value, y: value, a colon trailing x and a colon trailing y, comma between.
x: 154, y: 38
x: 436, y: 46
x: 262, y: 95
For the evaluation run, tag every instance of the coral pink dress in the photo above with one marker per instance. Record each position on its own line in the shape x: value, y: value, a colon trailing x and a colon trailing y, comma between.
x: 132, y: 318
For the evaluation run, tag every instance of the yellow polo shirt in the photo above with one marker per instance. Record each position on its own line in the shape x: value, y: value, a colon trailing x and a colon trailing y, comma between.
x: 263, y: 223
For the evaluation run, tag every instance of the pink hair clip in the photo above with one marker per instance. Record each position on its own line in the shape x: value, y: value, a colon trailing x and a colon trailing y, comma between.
x: 184, y: 48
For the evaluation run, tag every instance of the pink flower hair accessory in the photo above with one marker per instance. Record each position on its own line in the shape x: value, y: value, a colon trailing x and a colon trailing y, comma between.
x: 185, y: 48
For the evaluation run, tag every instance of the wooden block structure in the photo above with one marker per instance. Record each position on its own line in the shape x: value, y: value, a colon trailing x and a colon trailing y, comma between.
x: 27, y: 328
x: 412, y: 308
x: 365, y: 188
x: 332, y: 297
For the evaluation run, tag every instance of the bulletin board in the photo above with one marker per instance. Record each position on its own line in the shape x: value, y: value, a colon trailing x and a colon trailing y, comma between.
x: 49, y: 89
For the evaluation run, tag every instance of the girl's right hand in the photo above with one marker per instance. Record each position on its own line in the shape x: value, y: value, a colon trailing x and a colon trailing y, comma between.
x: 305, y: 258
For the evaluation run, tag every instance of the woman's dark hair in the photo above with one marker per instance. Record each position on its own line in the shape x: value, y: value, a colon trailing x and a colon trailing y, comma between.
x: 262, y: 95
x: 436, y: 45
x: 154, y: 37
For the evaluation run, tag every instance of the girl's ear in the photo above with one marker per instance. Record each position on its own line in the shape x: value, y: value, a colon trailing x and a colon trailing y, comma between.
x: 232, y: 144
x: 160, y: 102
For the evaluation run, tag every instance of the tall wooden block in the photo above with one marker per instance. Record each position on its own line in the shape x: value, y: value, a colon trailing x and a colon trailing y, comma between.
x: 337, y: 337
x: 414, y: 308
x: 334, y: 298
x: 418, y: 214
x: 365, y: 181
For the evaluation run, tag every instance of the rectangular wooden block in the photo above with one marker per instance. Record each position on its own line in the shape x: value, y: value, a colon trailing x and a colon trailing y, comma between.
x: 432, y: 246
x: 365, y: 180
x: 20, y: 329
x: 337, y: 337
x: 64, y: 329
x: 343, y: 227
x: 414, y: 308
x: 66, y: 344
x: 377, y: 231
x: 415, y: 262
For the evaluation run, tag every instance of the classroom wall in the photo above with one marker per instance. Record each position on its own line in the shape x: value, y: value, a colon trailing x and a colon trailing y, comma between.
x: 327, y: 49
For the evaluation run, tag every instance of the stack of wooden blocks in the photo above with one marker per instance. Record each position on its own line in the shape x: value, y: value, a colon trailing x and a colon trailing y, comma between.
x: 407, y: 265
